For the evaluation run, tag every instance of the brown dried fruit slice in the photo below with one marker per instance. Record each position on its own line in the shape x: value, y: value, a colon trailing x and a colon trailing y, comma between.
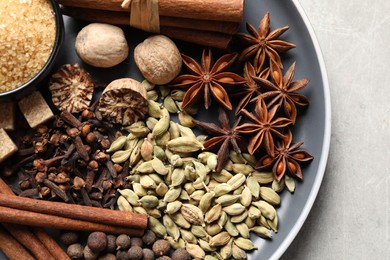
x: 71, y: 88
x: 124, y: 101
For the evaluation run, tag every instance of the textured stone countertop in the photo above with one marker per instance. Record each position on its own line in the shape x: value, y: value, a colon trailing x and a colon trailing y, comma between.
x: 351, y: 216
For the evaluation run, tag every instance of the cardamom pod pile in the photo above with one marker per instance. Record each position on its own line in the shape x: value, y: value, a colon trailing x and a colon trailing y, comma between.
x: 174, y: 181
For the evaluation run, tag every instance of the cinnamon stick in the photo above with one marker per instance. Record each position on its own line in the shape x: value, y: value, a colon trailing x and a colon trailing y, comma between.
x: 16, y: 216
x: 214, y: 10
x: 40, y: 248
x: 77, y: 212
x: 201, y: 37
x: 11, y: 248
x: 122, y: 18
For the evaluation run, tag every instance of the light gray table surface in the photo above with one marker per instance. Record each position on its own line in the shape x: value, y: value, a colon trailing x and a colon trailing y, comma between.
x: 350, y: 218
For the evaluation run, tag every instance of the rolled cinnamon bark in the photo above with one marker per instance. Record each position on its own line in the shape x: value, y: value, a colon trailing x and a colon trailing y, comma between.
x: 122, y: 18
x: 11, y: 248
x: 215, y: 10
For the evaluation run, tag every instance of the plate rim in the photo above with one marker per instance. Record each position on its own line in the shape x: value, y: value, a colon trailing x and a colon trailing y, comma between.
x: 325, y: 145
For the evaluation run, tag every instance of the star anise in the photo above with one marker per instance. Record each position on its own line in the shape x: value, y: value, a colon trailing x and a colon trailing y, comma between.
x: 263, y: 128
x: 263, y: 43
x: 208, y: 80
x: 251, y: 89
x: 224, y: 137
x: 282, y: 92
x: 287, y: 159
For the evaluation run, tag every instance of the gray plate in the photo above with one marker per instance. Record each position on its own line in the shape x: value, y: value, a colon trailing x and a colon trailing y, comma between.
x: 313, y: 127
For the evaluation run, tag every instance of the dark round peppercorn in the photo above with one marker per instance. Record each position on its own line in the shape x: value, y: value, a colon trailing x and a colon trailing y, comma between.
x: 149, y: 237
x: 89, y: 254
x: 97, y: 242
x: 161, y: 247
x: 181, y: 254
x: 69, y: 237
x: 147, y: 254
x: 135, y: 253
x: 111, y: 243
x: 136, y: 241
x: 75, y: 251
x: 122, y: 255
x: 123, y: 242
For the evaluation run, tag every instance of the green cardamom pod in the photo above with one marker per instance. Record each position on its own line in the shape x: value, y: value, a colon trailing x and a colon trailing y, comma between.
x: 149, y: 201
x: 213, y: 229
x: 278, y: 186
x: 213, y: 214
x: 174, y: 130
x: 199, y: 231
x: 263, y: 177
x: 236, y: 157
x: 140, y: 210
x: 184, y: 195
x: 239, y: 218
x: 254, y: 212
x: 151, y: 122
x: 222, y: 219
x: 130, y: 196
x: 273, y: 223
x: 117, y: 144
x: 147, y: 150
x: 158, y: 228
x: 234, y: 209
x: 197, y: 195
x: 163, y: 124
x: 205, y: 201
x: 246, y: 197
x: 267, y: 210
x: 188, y: 236
x: 159, y: 166
x: 177, y: 177
x: 231, y: 228
x: 243, y: 230
x: 163, y: 140
x: 161, y: 189
x: 238, y: 253
x: 145, y: 167
x: 135, y: 155
x: 154, y: 109
x: 206, y: 247
x: 244, y: 243
x: 186, y: 131
x: 261, y: 231
x: 192, y: 214
x: 164, y: 90
x: 220, y: 239
x: 250, y: 222
x: 170, y: 105
x: 176, y: 244
x: 179, y: 220
x: 195, y: 251
x: 147, y: 182
x: 212, y: 161
x: 147, y: 85
x: 253, y: 186
x: 177, y: 94
x: 152, y: 95
x: 173, y: 207
x: 202, y: 138
x: 120, y: 156
x: 269, y: 195
x: 251, y: 159
x: 159, y: 153
x: 227, y: 199
x: 226, y: 250
x: 290, y: 183
x: 124, y: 205
x: 222, y: 189
x: 171, y: 227
x: 222, y: 176
x: 185, y: 119
x: 184, y: 145
x: 139, y: 190
x: 172, y: 194
x: 236, y: 181
x: 242, y: 168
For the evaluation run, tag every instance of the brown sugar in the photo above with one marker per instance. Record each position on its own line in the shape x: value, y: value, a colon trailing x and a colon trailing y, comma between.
x: 27, y: 33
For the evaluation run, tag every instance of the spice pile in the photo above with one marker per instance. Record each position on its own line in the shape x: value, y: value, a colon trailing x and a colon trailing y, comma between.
x: 27, y: 32
x: 203, y: 193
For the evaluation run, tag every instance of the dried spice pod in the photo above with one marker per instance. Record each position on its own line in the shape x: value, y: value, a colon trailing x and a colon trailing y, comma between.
x: 71, y: 88
x: 124, y: 101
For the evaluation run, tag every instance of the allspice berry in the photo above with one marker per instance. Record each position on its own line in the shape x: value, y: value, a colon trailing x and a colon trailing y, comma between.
x: 158, y: 59
x: 164, y: 257
x: 123, y: 242
x: 149, y: 237
x: 147, y: 254
x: 97, y: 241
x: 75, y: 251
x: 135, y: 253
x: 69, y: 237
x: 89, y: 254
x: 136, y: 241
x: 181, y: 254
x: 107, y: 256
x: 122, y: 255
x: 111, y: 243
x: 161, y: 247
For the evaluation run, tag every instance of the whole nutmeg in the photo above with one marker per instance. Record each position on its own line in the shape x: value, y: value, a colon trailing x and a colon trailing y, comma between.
x: 123, y: 242
x: 149, y: 237
x: 181, y: 254
x: 75, y: 251
x: 69, y: 237
x: 161, y: 247
x: 135, y: 253
x: 147, y: 254
x: 158, y: 59
x: 102, y: 45
x: 97, y: 241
